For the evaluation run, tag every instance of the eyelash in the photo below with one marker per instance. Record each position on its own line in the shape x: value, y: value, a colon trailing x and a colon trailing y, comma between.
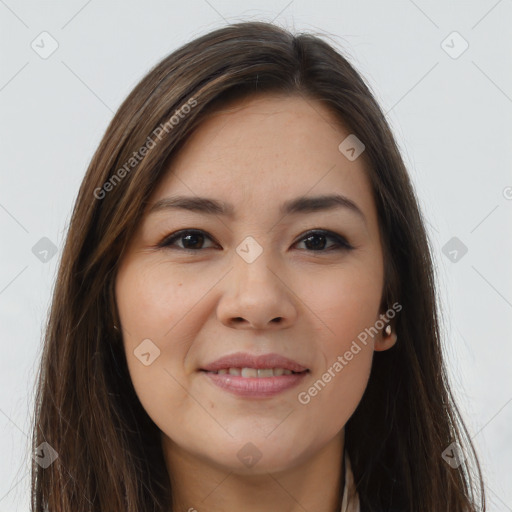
x: 342, y: 244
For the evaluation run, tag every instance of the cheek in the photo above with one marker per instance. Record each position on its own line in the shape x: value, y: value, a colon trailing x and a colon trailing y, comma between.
x: 339, y: 381
x: 154, y: 299
x: 346, y: 302
x: 152, y: 307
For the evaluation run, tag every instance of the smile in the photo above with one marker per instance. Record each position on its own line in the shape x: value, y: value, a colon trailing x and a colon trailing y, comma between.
x: 254, y: 372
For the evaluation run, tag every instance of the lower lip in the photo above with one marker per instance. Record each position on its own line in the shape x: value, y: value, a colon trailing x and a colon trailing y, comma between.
x: 255, y: 387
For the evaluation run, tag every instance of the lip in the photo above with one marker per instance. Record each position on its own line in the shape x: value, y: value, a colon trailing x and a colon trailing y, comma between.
x: 246, y: 360
x: 255, y: 387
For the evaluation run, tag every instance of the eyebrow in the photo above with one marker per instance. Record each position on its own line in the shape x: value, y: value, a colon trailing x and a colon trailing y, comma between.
x: 298, y: 205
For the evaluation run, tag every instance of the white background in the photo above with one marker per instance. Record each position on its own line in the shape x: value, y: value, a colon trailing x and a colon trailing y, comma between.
x: 451, y: 116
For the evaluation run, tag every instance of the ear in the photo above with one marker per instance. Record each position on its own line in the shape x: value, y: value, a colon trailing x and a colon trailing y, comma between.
x: 384, y: 341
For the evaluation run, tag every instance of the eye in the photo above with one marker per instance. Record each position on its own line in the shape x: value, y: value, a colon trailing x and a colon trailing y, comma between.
x: 191, y: 238
x: 315, y: 240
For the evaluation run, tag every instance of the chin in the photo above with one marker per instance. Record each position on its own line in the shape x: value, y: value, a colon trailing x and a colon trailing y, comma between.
x: 257, y: 457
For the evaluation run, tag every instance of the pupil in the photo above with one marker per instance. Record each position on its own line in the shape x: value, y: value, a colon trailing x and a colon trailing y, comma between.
x: 316, y: 245
x: 192, y: 236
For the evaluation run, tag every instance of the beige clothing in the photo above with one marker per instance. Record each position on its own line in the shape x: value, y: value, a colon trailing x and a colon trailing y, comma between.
x: 350, y: 501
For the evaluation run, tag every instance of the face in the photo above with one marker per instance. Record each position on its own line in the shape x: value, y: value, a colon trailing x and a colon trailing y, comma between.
x: 197, y: 285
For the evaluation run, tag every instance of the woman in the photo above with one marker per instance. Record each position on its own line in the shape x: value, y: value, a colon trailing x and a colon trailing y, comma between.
x: 245, y: 313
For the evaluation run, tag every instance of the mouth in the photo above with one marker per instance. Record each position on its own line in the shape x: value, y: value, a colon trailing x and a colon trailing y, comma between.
x: 255, y: 382
x: 258, y: 373
x: 254, y: 376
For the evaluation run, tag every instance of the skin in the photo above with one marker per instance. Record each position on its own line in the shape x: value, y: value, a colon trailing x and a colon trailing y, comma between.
x: 197, y: 307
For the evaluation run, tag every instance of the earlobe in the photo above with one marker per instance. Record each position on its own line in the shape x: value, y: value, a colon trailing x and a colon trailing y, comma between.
x: 386, y: 340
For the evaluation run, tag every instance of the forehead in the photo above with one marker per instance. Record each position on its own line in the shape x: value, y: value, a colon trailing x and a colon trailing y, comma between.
x: 263, y: 150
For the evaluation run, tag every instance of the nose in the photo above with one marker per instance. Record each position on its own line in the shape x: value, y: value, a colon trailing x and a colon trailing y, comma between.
x: 257, y: 297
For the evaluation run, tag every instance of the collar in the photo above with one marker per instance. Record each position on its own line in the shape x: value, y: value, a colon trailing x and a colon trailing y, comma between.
x: 350, y: 501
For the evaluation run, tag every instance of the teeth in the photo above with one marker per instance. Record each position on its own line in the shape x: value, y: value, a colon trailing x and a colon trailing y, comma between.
x: 249, y: 372
x: 254, y: 372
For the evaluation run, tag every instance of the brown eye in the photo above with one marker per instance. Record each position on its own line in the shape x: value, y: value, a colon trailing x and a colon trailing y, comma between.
x: 316, y: 241
x: 192, y: 240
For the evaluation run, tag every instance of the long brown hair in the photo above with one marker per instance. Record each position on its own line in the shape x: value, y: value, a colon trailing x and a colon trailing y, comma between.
x: 109, y: 452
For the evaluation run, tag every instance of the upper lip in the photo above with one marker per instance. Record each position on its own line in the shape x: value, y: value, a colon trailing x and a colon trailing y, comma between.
x: 245, y: 360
